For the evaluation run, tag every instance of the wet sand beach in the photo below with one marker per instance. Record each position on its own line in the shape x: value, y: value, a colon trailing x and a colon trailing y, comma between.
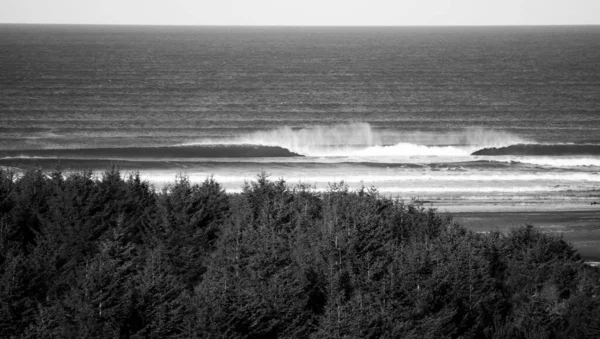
x: 579, y: 225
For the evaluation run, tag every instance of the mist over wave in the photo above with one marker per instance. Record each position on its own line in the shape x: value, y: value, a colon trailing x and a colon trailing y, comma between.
x: 360, y: 139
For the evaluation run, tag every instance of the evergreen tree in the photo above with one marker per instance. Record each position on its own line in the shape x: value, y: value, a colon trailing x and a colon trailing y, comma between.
x: 95, y: 257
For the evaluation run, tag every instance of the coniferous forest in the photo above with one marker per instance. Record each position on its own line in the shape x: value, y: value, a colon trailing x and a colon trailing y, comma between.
x: 111, y: 257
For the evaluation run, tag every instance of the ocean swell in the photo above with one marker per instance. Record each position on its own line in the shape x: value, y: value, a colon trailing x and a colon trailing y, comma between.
x: 155, y: 153
x: 540, y: 150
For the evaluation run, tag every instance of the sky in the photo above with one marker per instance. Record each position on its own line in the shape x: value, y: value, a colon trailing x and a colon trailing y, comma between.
x: 303, y: 12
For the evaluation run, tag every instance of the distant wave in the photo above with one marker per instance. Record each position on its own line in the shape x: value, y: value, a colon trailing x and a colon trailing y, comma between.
x: 158, y: 153
x: 284, y: 163
x: 287, y: 164
x: 560, y: 161
x: 540, y: 150
x: 360, y: 139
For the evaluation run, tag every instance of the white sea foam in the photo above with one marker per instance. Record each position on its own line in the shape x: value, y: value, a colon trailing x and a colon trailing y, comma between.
x: 559, y: 161
x: 511, y: 193
x: 360, y: 139
x: 460, y: 191
x: 468, y: 185
x: 409, y: 150
x: 489, y: 178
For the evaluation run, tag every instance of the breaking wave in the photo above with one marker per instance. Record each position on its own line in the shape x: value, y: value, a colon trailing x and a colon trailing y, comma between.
x: 351, y: 142
x: 360, y: 139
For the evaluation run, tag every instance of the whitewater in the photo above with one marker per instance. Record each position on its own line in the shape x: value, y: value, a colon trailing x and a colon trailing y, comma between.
x: 444, y: 115
x: 434, y: 166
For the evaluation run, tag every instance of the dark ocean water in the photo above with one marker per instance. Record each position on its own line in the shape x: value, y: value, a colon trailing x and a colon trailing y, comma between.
x: 403, y: 109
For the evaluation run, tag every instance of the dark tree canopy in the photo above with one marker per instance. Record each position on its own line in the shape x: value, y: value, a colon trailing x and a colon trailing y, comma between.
x: 83, y: 256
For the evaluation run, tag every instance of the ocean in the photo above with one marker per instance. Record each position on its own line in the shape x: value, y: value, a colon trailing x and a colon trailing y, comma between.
x: 469, y: 116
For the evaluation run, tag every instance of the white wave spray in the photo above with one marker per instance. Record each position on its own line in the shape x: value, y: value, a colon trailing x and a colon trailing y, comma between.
x: 360, y: 139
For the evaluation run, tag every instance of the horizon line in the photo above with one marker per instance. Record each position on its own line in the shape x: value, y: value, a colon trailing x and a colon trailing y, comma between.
x: 291, y: 26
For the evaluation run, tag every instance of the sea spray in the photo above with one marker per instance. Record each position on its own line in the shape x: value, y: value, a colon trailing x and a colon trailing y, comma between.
x: 361, y: 139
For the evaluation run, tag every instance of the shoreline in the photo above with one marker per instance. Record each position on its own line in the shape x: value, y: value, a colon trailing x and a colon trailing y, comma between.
x: 579, y: 227
x: 575, y: 217
x: 508, y: 206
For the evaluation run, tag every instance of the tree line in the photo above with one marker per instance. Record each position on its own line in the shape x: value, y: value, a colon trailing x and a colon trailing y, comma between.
x: 110, y: 256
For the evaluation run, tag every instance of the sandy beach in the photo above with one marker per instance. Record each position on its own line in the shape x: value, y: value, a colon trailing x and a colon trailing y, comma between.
x: 577, y: 224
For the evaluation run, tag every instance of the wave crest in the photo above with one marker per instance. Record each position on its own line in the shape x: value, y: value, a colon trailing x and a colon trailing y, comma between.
x: 360, y: 139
